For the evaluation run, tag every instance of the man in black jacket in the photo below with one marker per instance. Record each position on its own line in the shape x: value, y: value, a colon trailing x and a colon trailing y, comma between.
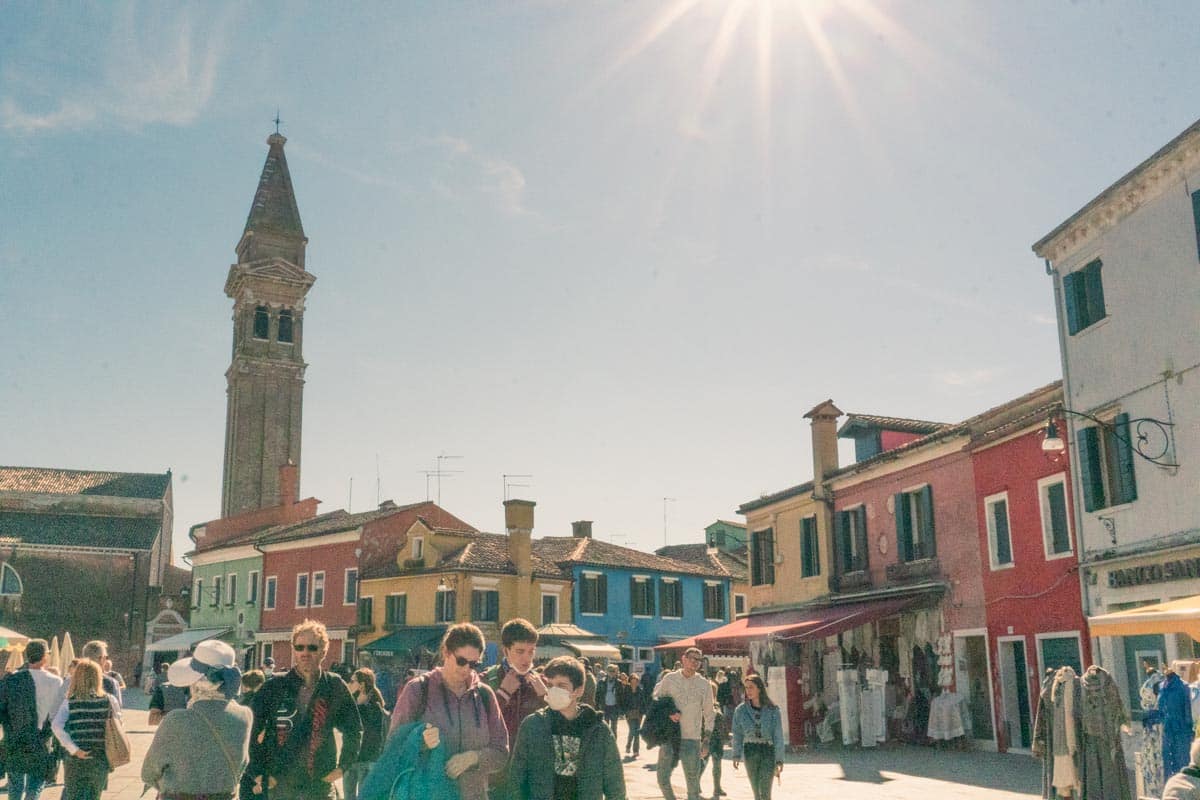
x: 295, y: 714
x: 26, y: 704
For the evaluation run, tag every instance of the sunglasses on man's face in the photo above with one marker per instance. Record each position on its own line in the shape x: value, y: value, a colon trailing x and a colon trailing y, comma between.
x: 465, y: 662
x: 312, y: 648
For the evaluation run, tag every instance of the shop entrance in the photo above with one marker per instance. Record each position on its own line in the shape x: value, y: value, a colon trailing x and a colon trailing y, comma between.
x: 1014, y: 689
x: 1142, y: 653
x: 971, y: 677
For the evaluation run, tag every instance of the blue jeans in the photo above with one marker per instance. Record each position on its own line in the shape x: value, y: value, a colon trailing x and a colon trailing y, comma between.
x: 689, y: 757
x: 25, y: 787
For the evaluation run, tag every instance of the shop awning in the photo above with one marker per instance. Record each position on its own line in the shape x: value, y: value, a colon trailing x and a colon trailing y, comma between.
x: 546, y: 651
x: 404, y: 641
x: 592, y: 649
x: 1173, y: 616
x: 800, y: 624
x: 184, y: 642
x: 678, y: 644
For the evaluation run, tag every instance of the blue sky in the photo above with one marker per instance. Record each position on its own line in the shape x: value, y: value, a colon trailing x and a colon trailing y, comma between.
x: 622, y: 247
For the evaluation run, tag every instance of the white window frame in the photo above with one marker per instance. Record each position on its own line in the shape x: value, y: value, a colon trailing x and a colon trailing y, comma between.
x: 644, y: 579
x: 739, y: 597
x: 270, y: 592
x: 307, y: 590
x: 346, y: 587
x: 1037, y: 640
x: 707, y: 618
x: 989, y: 504
x: 418, y: 547
x: 666, y: 579
x: 542, y: 608
x: 449, y: 620
x: 231, y: 588
x: 317, y: 581
x: 587, y: 573
x: 852, y: 516
x: 252, y: 587
x: 1044, y: 509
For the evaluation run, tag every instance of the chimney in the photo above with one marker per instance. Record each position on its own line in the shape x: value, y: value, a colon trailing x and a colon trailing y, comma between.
x: 582, y: 529
x: 824, y: 441
x: 289, y: 484
x: 518, y: 520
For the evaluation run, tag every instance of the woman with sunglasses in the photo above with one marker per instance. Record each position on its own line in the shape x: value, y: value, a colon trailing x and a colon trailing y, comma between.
x: 460, y: 712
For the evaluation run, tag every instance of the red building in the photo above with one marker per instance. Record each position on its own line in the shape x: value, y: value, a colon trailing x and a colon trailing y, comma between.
x: 1035, y: 618
x: 311, y: 570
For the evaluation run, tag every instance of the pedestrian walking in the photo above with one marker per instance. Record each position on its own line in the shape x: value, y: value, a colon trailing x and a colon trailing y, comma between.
x: 693, y: 696
x: 611, y: 694
x: 374, y: 728
x: 460, y: 711
x: 758, y: 737
x: 26, y: 705
x: 636, y: 703
x: 252, y: 681
x: 79, y: 725
x: 716, y: 749
x: 519, y: 690
x: 589, y: 684
x: 293, y: 753
x: 166, y: 697
x: 565, y: 751
x: 202, y: 750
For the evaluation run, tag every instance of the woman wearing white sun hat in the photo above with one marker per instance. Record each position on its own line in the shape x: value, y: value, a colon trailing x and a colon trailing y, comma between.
x: 202, y: 749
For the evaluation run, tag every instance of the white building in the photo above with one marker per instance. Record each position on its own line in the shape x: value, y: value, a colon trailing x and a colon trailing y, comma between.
x: 1126, y: 276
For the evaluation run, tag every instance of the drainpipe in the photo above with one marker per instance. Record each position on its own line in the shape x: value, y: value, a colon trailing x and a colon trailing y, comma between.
x: 1076, y: 480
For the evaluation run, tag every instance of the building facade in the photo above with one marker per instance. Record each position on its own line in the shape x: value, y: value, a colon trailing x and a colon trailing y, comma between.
x: 1125, y: 272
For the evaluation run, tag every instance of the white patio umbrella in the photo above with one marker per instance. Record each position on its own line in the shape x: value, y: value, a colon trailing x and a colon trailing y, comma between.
x: 52, y: 658
x: 67, y: 654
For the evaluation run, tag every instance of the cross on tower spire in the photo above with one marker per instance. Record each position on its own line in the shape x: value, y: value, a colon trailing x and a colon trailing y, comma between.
x: 277, y: 120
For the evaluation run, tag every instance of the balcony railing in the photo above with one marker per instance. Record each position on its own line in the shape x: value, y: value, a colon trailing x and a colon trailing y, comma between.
x: 914, y: 570
x: 362, y: 627
x: 847, y: 581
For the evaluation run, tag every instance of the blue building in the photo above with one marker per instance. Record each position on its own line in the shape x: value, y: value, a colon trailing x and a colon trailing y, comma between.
x: 637, y: 600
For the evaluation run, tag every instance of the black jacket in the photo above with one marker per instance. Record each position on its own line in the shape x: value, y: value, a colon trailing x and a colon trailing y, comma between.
x: 26, y: 745
x: 658, y: 727
x: 291, y: 750
x: 374, y: 731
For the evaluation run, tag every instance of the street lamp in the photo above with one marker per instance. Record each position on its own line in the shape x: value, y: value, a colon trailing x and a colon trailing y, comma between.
x: 1148, y: 437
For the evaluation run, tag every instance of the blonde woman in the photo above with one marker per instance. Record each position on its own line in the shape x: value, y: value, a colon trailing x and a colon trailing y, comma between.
x: 79, y: 726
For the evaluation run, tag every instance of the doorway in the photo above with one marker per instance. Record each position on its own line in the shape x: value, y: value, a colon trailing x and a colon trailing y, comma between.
x: 1014, y: 690
x: 972, y: 679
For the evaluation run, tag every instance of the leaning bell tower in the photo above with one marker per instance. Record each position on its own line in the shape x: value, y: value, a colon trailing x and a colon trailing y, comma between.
x: 265, y: 379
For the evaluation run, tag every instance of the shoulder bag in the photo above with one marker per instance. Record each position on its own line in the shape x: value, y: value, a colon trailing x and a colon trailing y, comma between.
x: 116, y: 742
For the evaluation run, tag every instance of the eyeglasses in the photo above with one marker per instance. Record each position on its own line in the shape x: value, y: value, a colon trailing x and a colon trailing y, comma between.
x: 465, y: 662
x: 300, y: 648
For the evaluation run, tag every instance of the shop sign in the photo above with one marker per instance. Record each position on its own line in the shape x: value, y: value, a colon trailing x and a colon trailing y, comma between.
x: 1154, y: 573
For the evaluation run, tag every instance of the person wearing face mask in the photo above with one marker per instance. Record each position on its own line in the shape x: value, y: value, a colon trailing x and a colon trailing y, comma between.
x: 565, y: 751
x: 460, y: 712
x: 519, y: 690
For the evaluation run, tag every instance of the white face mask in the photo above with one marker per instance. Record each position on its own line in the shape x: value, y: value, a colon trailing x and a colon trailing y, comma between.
x: 558, y: 698
x: 519, y: 671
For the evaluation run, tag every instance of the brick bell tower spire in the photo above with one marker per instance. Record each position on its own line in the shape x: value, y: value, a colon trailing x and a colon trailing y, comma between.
x: 265, y: 379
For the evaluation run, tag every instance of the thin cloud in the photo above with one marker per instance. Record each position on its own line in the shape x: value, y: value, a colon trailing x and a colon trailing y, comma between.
x: 154, y: 67
x: 490, y: 175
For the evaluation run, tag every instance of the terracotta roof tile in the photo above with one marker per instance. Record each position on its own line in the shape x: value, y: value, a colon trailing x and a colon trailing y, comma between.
x: 703, y: 556
x: 143, y: 485
x: 565, y: 550
x: 79, y: 530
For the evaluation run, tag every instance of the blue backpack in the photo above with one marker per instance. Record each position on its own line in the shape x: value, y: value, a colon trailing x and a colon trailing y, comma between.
x: 407, y: 771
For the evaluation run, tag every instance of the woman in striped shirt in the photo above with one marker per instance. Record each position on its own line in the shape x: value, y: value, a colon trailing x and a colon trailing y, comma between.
x: 79, y: 726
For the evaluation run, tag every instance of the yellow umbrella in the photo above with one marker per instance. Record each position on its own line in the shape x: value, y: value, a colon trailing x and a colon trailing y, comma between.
x: 67, y: 654
x: 1173, y: 616
x: 52, y: 659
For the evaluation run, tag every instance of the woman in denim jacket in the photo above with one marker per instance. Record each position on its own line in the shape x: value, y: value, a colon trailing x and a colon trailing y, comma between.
x: 758, y: 736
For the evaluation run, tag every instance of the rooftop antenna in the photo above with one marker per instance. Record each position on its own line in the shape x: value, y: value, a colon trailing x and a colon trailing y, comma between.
x: 277, y: 120
x: 508, y: 484
x: 665, y: 501
x: 428, y: 473
x: 440, y: 472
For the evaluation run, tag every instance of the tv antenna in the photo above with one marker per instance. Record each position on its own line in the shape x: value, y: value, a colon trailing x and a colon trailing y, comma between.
x: 509, y: 484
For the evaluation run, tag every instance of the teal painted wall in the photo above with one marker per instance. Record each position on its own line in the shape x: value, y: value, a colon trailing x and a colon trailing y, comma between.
x: 209, y: 614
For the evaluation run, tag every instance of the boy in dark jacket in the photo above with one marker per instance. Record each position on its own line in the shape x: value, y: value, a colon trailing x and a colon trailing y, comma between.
x: 565, y: 752
x: 292, y: 749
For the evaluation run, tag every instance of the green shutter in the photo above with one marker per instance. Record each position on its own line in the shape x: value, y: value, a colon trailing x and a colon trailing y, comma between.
x: 602, y: 590
x: 1068, y: 293
x: 770, y: 548
x: 843, y: 552
x: 928, y: 539
x: 1000, y: 523
x: 863, y: 547
x: 1094, y: 287
x: 1196, y: 217
x: 903, y: 528
x: 1127, y: 491
x: 1090, y: 473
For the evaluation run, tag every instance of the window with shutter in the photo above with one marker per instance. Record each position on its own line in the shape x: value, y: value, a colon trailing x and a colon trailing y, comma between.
x: 1056, y: 534
x: 915, y: 538
x: 810, y: 553
x: 1106, y: 467
x: 999, y: 538
x: 762, y: 557
x: 1083, y: 296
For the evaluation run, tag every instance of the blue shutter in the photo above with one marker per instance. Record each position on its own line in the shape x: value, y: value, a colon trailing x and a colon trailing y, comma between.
x: 1094, y: 289
x: 1127, y: 490
x: 1090, y: 474
x: 928, y: 539
x: 1068, y: 292
x: 1196, y: 217
x: 903, y: 528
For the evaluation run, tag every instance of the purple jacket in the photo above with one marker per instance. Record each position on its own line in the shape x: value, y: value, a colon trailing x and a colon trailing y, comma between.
x: 470, y: 722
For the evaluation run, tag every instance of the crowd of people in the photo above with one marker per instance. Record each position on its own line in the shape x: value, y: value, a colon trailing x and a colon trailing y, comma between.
x: 514, y: 731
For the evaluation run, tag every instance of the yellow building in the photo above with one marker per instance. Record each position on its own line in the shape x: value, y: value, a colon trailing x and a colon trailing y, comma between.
x: 449, y: 576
